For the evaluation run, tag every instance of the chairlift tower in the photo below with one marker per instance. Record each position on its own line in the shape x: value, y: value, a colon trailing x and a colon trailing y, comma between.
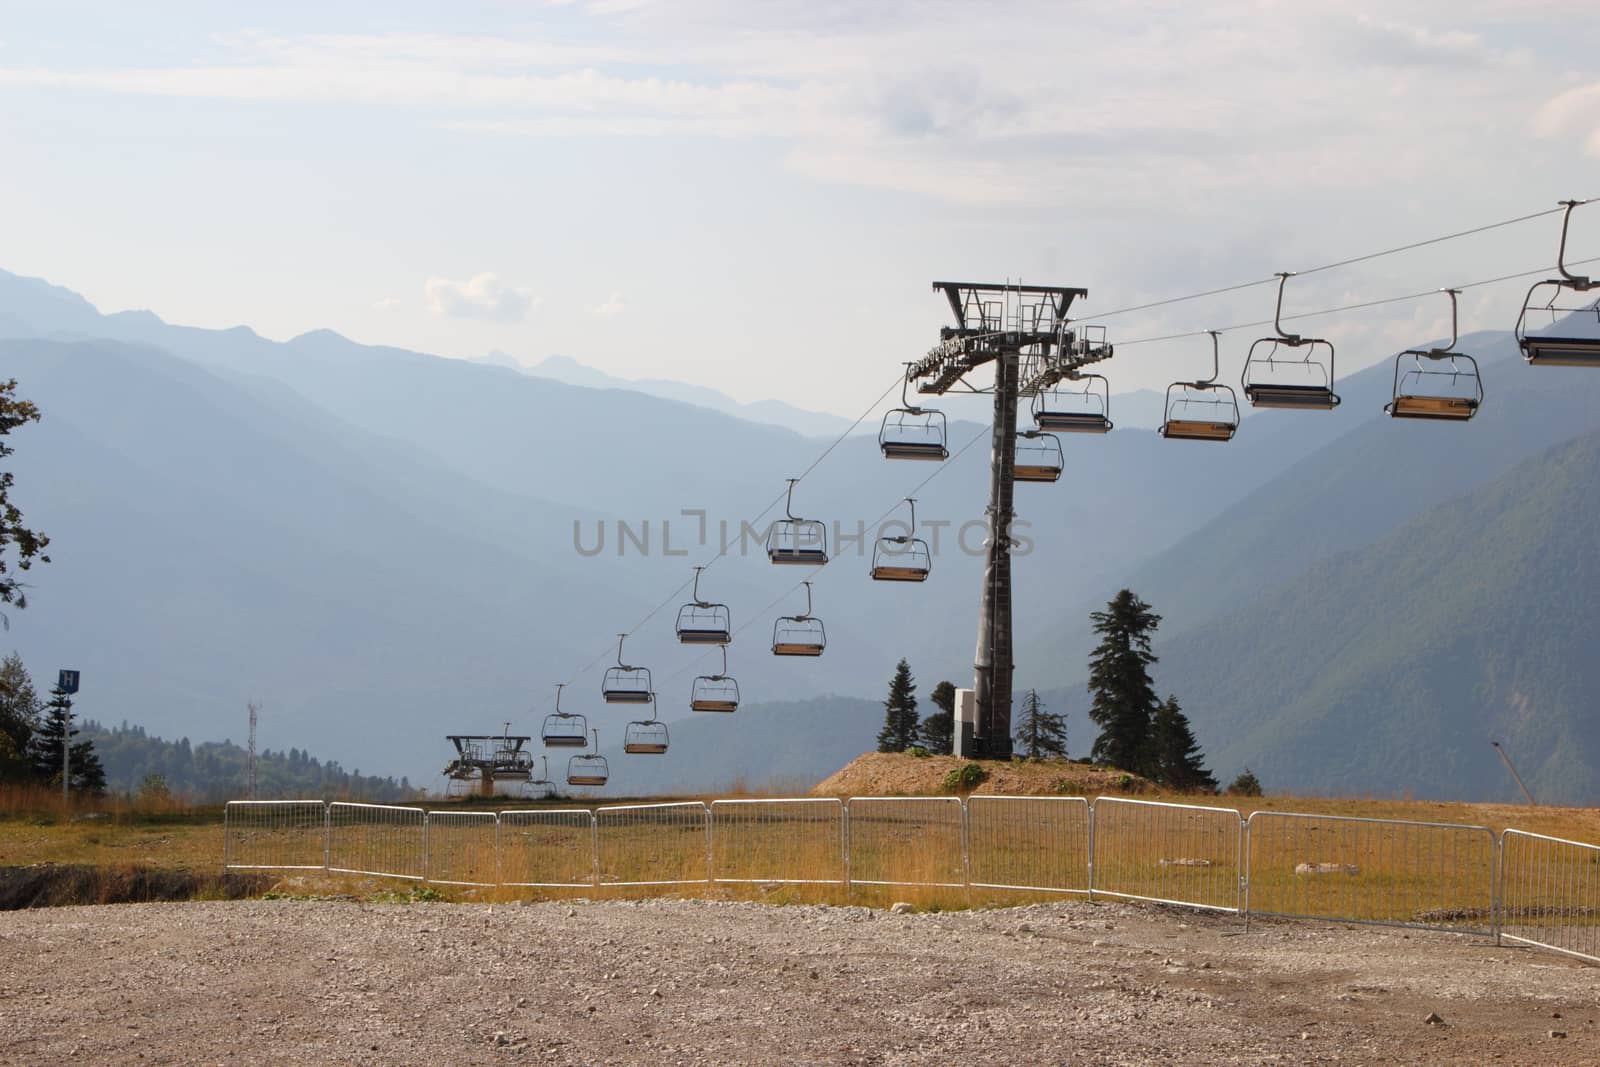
x: 487, y: 759
x: 1024, y: 331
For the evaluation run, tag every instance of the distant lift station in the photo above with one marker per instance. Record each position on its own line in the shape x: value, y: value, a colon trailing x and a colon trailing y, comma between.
x: 485, y: 759
x: 1572, y: 336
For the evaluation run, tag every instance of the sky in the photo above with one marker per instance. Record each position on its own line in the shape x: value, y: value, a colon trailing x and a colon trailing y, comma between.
x: 754, y: 196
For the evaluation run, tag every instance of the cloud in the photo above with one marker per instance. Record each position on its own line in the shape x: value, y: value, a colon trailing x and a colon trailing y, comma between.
x: 1576, y: 111
x: 388, y: 303
x: 614, y: 305
x: 480, y: 297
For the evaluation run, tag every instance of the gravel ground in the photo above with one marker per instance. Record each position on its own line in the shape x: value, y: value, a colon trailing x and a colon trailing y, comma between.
x: 680, y: 982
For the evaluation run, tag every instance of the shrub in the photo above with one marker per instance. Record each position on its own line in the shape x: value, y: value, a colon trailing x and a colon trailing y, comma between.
x: 965, y: 778
x: 1246, y: 785
x: 918, y: 751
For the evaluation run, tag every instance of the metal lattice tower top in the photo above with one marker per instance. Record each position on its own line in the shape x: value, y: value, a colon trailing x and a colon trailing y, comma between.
x: 994, y: 318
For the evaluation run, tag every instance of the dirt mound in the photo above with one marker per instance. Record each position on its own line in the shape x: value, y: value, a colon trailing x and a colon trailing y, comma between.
x: 900, y: 774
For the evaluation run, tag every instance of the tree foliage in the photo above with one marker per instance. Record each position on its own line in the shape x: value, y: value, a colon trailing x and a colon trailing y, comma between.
x: 19, y: 718
x: 88, y: 777
x: 899, y: 712
x: 1040, y: 733
x: 938, y: 729
x: 30, y: 545
x: 1179, y: 763
x: 1124, y: 700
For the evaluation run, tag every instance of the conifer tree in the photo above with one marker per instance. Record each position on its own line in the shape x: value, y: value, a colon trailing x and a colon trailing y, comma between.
x: 899, y: 712
x: 88, y: 777
x: 1179, y: 763
x: 1040, y: 733
x: 938, y: 729
x: 1125, y: 703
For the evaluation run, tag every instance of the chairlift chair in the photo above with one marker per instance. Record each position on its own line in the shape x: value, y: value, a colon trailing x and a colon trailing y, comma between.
x: 646, y: 737
x: 590, y: 768
x: 912, y: 432
x: 1571, y: 339
x: 1086, y: 410
x: 624, y: 684
x: 1273, y: 378
x: 701, y: 622
x: 715, y: 692
x: 797, y: 541
x: 1038, y: 457
x: 902, y: 559
x: 799, y: 635
x: 1201, y: 410
x: 564, y: 729
x: 1439, y: 384
x: 544, y: 776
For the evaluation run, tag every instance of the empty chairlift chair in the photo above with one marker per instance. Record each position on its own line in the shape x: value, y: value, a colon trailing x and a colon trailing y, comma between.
x: 1289, y: 371
x: 1038, y: 457
x: 646, y: 737
x: 912, y: 432
x: 715, y: 692
x: 902, y: 559
x: 624, y: 684
x: 1436, y: 383
x: 797, y: 541
x: 701, y: 622
x: 799, y: 635
x: 1559, y: 325
x: 564, y: 729
x: 590, y: 768
x: 1085, y: 410
x: 1201, y: 410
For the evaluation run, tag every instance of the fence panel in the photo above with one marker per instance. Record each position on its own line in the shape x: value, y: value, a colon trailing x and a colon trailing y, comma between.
x: 913, y: 841
x: 1388, y: 871
x: 286, y: 834
x: 552, y: 848
x: 795, y: 841
x: 1550, y: 893
x: 653, y: 844
x: 461, y: 848
x: 1169, y: 853
x: 1030, y: 843
x: 377, y: 839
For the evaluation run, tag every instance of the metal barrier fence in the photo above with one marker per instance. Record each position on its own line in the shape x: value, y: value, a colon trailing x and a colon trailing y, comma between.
x: 793, y: 841
x: 653, y: 844
x: 1550, y: 894
x: 1525, y: 888
x: 378, y: 839
x: 906, y: 841
x: 1029, y: 843
x: 462, y: 848
x: 281, y: 834
x: 1168, y: 853
x: 1386, y: 871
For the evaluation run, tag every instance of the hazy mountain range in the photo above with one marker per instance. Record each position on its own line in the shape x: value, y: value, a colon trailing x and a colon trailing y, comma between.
x: 384, y: 546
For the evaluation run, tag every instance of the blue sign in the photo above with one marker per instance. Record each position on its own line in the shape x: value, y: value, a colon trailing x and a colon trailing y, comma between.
x: 68, y: 682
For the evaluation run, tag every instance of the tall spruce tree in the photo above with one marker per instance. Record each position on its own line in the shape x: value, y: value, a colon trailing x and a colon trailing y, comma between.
x: 1040, y: 733
x: 1179, y: 762
x: 19, y: 718
x: 938, y: 729
x: 88, y: 777
x: 899, y: 712
x: 1124, y: 700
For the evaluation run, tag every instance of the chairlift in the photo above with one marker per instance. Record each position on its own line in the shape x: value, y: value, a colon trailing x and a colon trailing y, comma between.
x: 564, y: 729
x: 701, y: 622
x: 544, y: 775
x: 1086, y: 410
x: 715, y: 692
x: 1570, y: 340
x: 646, y: 737
x: 624, y: 684
x: 1201, y: 410
x: 799, y: 635
x: 1038, y: 457
x: 590, y: 768
x: 1289, y: 371
x: 912, y: 432
x: 902, y: 559
x: 1438, y: 384
x: 797, y: 541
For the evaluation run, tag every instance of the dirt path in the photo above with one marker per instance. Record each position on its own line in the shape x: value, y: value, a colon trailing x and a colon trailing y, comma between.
x: 672, y: 982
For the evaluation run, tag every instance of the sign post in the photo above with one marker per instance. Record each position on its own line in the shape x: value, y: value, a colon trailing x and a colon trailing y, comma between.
x: 67, y: 682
